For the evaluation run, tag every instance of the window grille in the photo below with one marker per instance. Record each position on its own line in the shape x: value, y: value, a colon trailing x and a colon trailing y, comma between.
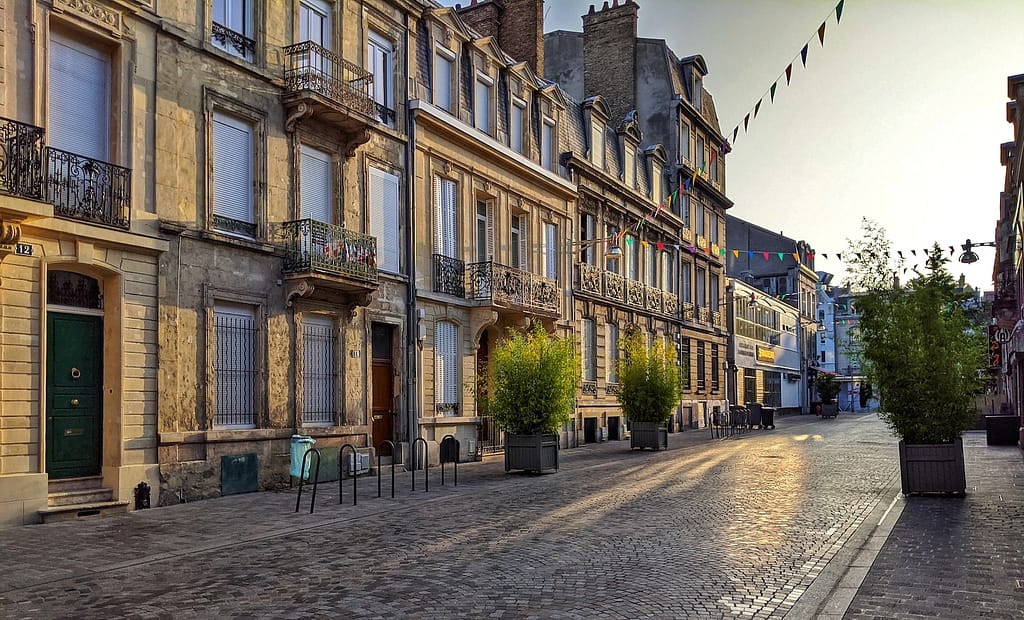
x: 234, y: 369
x: 318, y: 345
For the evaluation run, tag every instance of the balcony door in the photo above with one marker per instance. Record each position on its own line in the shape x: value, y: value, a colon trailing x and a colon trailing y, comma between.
x: 79, y: 99
x: 315, y: 27
x: 315, y: 202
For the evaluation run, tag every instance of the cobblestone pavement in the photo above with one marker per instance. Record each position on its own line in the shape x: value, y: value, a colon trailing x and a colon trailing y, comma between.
x: 710, y: 528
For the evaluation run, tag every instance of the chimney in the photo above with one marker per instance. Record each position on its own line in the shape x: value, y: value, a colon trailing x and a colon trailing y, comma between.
x: 484, y: 17
x: 609, y: 55
x: 518, y: 26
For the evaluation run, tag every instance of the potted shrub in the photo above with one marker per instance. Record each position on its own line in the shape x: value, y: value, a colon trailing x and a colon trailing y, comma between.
x: 532, y: 392
x: 923, y: 357
x: 650, y: 384
x: 828, y: 388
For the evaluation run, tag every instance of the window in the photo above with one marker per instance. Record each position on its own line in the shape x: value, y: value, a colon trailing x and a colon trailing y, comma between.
x: 482, y: 103
x: 700, y: 291
x: 633, y: 257
x: 597, y: 142
x: 484, y: 230
x: 318, y: 345
x: 315, y: 23
x: 611, y: 263
x: 749, y: 385
x: 79, y: 110
x: 684, y: 142
x: 714, y: 367
x: 233, y: 29
x: 517, y: 242
x: 700, y: 152
x: 547, y: 139
x: 713, y: 225
x: 517, y: 120
x: 551, y: 251
x: 630, y: 167
x: 698, y: 91
x: 701, y: 371
x: 714, y: 292
x: 445, y: 230
x: 684, y: 353
x: 698, y: 212
x: 652, y: 264
x: 668, y: 272
x: 589, y: 350
x: 612, y: 350
x: 446, y: 368
x: 587, y: 234
x: 656, y: 173
x: 379, y: 61
x: 233, y: 176
x: 772, y: 389
x: 234, y: 366
x: 683, y: 208
x: 685, y: 292
x: 315, y: 185
x: 383, y: 207
x: 714, y: 169
x: 444, y: 63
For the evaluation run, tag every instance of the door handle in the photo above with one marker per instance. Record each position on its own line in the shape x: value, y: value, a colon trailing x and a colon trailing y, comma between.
x: 74, y: 402
x: 75, y: 373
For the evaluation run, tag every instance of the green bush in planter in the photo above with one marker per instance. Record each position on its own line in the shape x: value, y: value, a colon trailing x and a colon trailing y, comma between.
x: 532, y: 382
x: 828, y: 388
x: 650, y: 379
x: 922, y: 355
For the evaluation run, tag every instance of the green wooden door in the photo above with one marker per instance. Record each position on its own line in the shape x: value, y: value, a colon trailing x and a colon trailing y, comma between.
x: 74, y: 384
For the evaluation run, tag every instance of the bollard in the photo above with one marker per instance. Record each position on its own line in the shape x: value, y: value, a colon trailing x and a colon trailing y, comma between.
x: 142, y: 494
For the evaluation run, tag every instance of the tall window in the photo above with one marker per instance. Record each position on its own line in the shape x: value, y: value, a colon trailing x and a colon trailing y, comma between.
x: 447, y: 391
x: 668, y: 272
x: 484, y: 230
x: 233, y: 175
x: 587, y: 234
x: 383, y: 207
x: 698, y: 213
x: 612, y: 351
x: 700, y: 152
x: 687, y: 289
x: 683, y: 208
x: 652, y: 264
x: 318, y: 344
x: 315, y: 22
x: 234, y: 366
x: 713, y: 225
x: 633, y: 254
x: 233, y: 29
x: 551, y: 251
x: 714, y: 291
x: 444, y: 69
x: 379, y: 61
x: 698, y: 92
x: 750, y: 385
x: 79, y: 110
x: 517, y: 242
x: 597, y: 142
x: 700, y: 287
x: 589, y: 350
x: 656, y: 179
x: 517, y: 120
x: 630, y: 167
x: 684, y: 353
x: 482, y: 103
x: 700, y: 366
x: 714, y: 367
x: 445, y: 229
x: 315, y: 185
x: 611, y: 263
x: 684, y: 142
x: 547, y: 143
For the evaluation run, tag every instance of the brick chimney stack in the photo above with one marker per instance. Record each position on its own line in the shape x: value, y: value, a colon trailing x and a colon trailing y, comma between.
x: 609, y: 55
x: 518, y: 26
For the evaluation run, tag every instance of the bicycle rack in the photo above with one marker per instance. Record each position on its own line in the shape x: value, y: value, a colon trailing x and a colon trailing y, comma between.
x: 341, y: 470
x: 302, y: 477
x: 426, y: 464
x: 379, y: 446
x: 446, y: 446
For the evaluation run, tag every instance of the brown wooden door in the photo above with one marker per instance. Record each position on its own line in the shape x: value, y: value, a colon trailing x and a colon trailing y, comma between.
x: 383, y: 415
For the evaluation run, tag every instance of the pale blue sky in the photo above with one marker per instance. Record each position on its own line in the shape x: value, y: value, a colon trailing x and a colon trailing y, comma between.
x: 899, y: 117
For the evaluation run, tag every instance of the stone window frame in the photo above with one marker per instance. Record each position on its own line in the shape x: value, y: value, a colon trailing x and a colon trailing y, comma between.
x: 549, y: 114
x: 306, y: 137
x: 519, y: 93
x: 485, y: 71
x: 337, y: 330
x: 258, y: 18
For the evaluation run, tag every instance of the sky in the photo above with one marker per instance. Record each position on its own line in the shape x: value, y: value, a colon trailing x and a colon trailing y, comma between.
x: 897, y: 118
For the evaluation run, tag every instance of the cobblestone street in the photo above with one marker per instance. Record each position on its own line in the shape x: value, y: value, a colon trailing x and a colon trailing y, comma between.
x: 744, y: 527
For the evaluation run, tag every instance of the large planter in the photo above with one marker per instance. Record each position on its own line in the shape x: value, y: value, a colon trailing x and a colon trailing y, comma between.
x: 535, y: 453
x: 829, y: 410
x: 648, y: 435
x: 1002, y: 430
x: 933, y: 468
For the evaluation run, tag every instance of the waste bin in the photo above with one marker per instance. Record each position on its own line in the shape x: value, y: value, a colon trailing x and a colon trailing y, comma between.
x: 300, y: 446
x: 768, y: 417
x: 755, y: 410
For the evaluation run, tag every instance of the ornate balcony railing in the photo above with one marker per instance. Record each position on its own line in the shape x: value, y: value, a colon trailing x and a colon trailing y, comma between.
x: 635, y: 293
x: 687, y: 235
x: 230, y: 40
x: 671, y: 301
x: 318, y: 247
x: 613, y: 388
x: 718, y: 319
x: 703, y: 315
x: 315, y: 68
x: 449, y: 276
x: 87, y: 189
x: 588, y: 387
x: 497, y: 283
x: 614, y: 286
x: 384, y: 114
x: 589, y: 280
x: 653, y: 297
x: 21, y: 159
x: 687, y: 308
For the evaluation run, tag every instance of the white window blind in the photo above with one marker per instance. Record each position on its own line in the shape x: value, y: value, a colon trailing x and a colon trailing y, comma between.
x: 445, y: 232
x: 232, y: 169
x: 318, y: 385
x: 315, y: 185
x: 79, y: 90
x: 379, y: 55
x: 384, y: 225
x: 516, y: 117
x: 446, y: 363
x: 589, y: 350
x: 315, y: 22
x: 443, y: 65
x: 234, y: 366
x: 597, y: 143
x: 551, y: 251
x: 612, y: 350
x: 482, y: 104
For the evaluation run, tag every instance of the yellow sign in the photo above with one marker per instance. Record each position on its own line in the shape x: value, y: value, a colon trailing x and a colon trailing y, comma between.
x: 765, y: 355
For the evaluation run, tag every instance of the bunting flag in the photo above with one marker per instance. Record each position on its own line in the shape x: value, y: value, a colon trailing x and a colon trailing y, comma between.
x: 775, y: 85
x: 796, y: 257
x: 821, y: 33
x: 803, y: 55
x: 736, y: 253
x: 789, y: 73
x: 757, y: 108
x: 839, y: 11
x: 900, y: 252
x: 734, y: 132
x: 746, y: 121
x: 781, y: 254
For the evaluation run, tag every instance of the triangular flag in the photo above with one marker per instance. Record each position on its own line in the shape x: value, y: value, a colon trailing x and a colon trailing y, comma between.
x: 643, y: 243
x: 839, y: 256
x: 766, y: 255
x: 750, y: 254
x: 789, y: 72
x: 721, y: 251
x: 839, y: 11
x: 951, y: 250
x: 714, y: 154
x: 900, y: 252
x: 803, y: 55
x: 914, y: 252
x: 693, y: 250
x: 687, y: 186
x: 735, y: 131
x: 796, y: 257
x: 757, y: 107
x: 858, y: 255
x: 821, y: 33
x: 810, y: 255
x: 746, y: 121
x: 736, y: 253
x: 774, y: 86
x: 825, y: 255
x: 661, y: 246
x: 629, y: 241
x: 781, y: 254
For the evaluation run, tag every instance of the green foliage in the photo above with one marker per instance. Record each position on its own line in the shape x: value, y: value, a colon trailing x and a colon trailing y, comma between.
x: 868, y: 260
x: 650, y: 379
x: 828, y: 388
x: 533, y: 380
x: 921, y: 354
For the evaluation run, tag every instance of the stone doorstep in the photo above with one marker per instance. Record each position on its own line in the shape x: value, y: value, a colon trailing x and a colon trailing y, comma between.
x: 64, y: 485
x: 82, y: 511
x: 83, y: 496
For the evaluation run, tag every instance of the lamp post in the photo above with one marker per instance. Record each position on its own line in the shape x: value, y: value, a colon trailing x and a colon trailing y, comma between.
x: 969, y: 255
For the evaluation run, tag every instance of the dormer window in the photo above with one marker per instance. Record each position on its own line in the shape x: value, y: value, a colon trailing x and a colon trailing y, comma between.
x: 656, y: 193
x: 516, y: 122
x: 444, y: 70
x: 482, y: 102
x: 630, y: 167
x: 698, y: 91
x: 597, y: 143
x: 547, y: 142
x: 684, y: 142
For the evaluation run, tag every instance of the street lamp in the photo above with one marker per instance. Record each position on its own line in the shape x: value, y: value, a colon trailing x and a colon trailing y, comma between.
x: 969, y: 255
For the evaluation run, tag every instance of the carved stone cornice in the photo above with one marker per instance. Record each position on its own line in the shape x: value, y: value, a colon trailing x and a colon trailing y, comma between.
x: 105, y: 17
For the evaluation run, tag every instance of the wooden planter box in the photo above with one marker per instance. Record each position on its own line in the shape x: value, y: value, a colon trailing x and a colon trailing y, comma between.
x: 648, y: 435
x: 536, y: 453
x: 1002, y: 430
x: 933, y: 468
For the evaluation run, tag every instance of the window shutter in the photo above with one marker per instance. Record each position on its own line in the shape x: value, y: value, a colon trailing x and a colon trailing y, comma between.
x: 450, y: 232
x: 551, y: 251
x: 523, y: 260
x: 490, y: 230
x: 79, y: 99
x: 318, y: 370
x: 232, y: 169
x: 383, y: 207
x: 446, y: 370
x: 315, y: 185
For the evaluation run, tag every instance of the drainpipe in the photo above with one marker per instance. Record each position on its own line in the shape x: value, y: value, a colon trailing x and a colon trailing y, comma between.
x: 412, y: 326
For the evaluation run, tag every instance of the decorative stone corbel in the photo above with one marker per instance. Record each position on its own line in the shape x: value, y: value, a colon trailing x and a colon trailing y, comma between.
x: 301, y: 112
x: 296, y: 288
x: 10, y: 235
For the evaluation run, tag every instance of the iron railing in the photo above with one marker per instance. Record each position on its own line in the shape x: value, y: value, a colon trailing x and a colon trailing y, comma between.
x: 497, y: 283
x: 315, y: 68
x: 449, y: 275
x: 87, y: 189
x: 21, y: 159
x: 231, y: 225
x: 234, y: 370
x: 384, y: 114
x: 315, y: 246
x: 226, y: 37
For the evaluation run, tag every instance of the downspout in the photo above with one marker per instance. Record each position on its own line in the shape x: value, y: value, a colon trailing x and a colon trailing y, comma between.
x: 412, y: 326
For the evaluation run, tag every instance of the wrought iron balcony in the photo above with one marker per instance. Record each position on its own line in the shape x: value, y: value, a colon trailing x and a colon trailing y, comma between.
x: 316, y: 247
x: 687, y: 308
x: 449, y: 276
x: 329, y: 86
x: 87, y: 189
x: 234, y: 42
x: 611, y: 286
x: 384, y: 114
x: 21, y: 159
x: 506, y: 286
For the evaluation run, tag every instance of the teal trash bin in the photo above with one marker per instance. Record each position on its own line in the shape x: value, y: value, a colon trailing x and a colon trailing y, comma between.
x: 301, y: 444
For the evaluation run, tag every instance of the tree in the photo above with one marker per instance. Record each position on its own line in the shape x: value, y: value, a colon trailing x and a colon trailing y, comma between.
x: 869, y: 259
x: 650, y: 379
x: 827, y: 386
